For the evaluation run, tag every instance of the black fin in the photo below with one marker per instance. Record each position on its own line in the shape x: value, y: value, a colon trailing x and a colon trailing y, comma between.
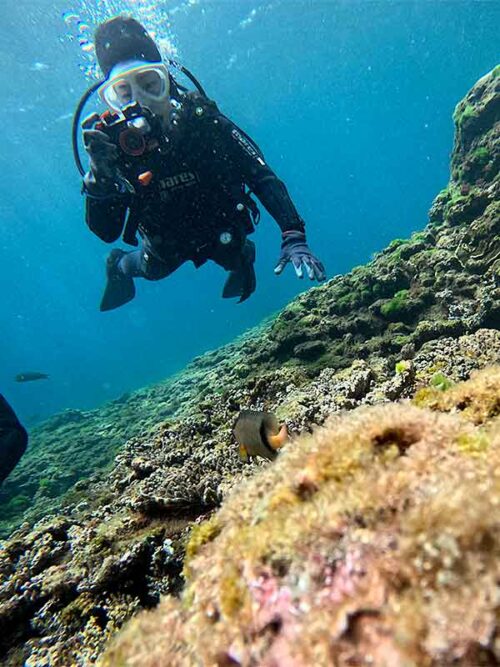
x: 118, y: 292
x: 120, y: 289
x: 242, y: 281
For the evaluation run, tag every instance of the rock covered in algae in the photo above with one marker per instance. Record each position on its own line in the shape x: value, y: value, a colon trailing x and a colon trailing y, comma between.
x: 69, y: 582
x: 373, y: 541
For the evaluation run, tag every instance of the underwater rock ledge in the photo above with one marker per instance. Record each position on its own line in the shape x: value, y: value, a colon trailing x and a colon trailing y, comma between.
x: 423, y: 315
x: 373, y: 541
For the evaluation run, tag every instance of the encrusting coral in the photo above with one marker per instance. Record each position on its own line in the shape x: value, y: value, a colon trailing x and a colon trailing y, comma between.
x: 373, y: 541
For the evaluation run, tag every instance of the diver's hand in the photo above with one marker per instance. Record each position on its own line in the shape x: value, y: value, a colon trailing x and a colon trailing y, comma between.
x: 103, y: 154
x: 103, y: 175
x: 294, y: 249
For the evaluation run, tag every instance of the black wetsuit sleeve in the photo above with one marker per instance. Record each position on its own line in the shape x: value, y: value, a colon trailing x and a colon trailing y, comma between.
x: 13, y: 439
x: 256, y: 173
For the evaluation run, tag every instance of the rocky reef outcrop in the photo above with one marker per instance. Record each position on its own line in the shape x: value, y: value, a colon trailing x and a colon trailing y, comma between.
x: 67, y: 448
x: 373, y: 541
x: 419, y: 318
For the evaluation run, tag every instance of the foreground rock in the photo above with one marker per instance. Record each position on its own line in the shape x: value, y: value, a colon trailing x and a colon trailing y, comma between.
x: 373, y: 541
x: 423, y: 314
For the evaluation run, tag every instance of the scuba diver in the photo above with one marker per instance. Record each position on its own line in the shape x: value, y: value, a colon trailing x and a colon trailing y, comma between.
x: 13, y: 439
x: 166, y: 163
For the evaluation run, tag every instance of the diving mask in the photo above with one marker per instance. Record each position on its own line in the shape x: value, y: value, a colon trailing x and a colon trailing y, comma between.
x: 136, y: 81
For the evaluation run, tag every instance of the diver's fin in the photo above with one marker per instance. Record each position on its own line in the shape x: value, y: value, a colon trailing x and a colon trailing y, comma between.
x: 120, y: 289
x: 242, y: 281
x: 234, y: 284
x: 117, y: 293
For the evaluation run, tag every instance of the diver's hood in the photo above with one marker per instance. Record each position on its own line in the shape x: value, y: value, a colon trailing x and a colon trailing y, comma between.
x: 120, y: 39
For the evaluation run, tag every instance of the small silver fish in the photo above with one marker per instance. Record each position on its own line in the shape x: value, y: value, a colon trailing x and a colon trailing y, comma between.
x: 259, y: 434
x: 30, y: 376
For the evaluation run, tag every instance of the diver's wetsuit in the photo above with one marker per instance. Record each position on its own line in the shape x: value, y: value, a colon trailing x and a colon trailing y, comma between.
x: 196, y: 195
x: 13, y: 439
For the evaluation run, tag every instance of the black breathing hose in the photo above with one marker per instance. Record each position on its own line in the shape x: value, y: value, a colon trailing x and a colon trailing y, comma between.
x: 76, y: 124
x: 190, y: 76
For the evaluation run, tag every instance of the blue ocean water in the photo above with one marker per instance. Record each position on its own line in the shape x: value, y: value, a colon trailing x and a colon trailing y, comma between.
x: 351, y: 102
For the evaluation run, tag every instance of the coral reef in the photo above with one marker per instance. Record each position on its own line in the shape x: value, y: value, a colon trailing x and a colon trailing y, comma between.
x: 66, y: 447
x: 363, y: 545
x: 412, y: 324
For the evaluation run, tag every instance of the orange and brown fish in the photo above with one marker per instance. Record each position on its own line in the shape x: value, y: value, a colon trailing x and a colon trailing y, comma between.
x: 259, y: 434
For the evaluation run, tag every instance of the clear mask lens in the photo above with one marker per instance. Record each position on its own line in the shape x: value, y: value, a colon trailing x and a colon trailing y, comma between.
x: 120, y: 93
x: 141, y: 85
x: 151, y: 82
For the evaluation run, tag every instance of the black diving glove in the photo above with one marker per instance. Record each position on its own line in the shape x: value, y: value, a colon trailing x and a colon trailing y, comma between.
x: 294, y: 249
x: 103, y: 175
